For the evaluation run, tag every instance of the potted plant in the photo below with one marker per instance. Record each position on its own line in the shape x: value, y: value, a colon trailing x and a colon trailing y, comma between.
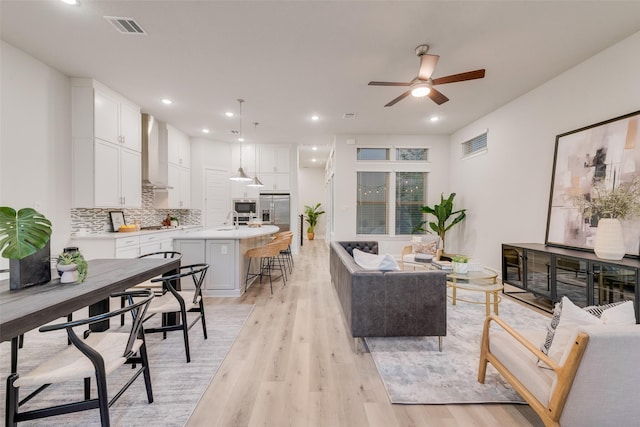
x: 605, y: 208
x: 460, y: 264
x: 24, y: 240
x: 72, y: 266
x: 443, y: 212
x: 312, y: 213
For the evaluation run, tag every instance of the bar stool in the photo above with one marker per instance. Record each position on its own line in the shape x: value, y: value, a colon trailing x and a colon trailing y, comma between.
x: 268, y: 258
x: 288, y: 237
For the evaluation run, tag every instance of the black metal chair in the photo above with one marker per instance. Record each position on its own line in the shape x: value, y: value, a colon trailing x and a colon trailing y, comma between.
x: 96, y: 354
x: 157, y: 288
x: 180, y: 301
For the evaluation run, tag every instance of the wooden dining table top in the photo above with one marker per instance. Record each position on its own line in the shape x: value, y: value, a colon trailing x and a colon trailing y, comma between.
x: 29, y: 308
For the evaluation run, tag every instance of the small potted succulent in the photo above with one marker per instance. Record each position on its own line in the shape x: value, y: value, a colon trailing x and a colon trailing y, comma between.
x: 460, y: 264
x: 72, y: 266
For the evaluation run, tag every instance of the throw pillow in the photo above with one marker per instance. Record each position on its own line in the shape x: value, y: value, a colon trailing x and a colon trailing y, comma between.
x: 369, y: 261
x: 567, y: 317
x: 425, y: 245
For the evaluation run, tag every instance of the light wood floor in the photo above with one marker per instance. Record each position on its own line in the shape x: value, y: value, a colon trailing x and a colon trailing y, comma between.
x: 293, y: 364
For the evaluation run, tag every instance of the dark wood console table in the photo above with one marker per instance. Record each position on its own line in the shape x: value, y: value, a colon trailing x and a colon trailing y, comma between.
x: 551, y: 273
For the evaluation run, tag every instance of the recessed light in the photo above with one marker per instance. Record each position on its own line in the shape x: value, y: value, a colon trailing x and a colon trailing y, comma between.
x: 315, y: 118
x: 167, y: 101
x: 434, y: 118
x: 241, y: 139
x: 313, y: 160
x: 205, y: 130
x: 228, y: 114
x: 314, y: 148
x: 71, y: 2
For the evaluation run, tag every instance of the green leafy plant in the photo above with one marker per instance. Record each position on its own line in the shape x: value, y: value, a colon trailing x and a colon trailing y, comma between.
x: 22, y: 233
x: 67, y: 258
x: 312, y: 213
x: 621, y: 202
x: 460, y: 258
x: 443, y: 212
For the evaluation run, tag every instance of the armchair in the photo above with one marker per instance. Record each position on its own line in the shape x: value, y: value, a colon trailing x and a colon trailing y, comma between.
x: 596, y: 382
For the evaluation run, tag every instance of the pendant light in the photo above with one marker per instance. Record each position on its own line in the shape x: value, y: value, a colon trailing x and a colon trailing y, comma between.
x: 255, y: 182
x: 240, y: 175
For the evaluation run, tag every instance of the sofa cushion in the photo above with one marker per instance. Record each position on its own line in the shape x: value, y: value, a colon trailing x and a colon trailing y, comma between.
x: 370, y: 261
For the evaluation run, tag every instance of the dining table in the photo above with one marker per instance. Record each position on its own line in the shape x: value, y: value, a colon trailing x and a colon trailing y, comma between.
x: 28, y: 308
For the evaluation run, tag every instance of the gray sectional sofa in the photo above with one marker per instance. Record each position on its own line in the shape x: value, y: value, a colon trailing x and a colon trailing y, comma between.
x: 387, y: 303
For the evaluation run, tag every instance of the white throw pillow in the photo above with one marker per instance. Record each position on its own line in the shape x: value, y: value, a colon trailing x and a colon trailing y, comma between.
x: 374, y: 262
x: 573, y: 316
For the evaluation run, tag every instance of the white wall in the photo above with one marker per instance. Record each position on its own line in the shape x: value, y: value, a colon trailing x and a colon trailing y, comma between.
x: 312, y: 191
x: 35, y: 140
x: 345, y: 179
x: 206, y: 154
x: 507, y: 190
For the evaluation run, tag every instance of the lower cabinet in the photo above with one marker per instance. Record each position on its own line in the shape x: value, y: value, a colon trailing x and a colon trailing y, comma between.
x: 551, y: 273
x: 220, y: 257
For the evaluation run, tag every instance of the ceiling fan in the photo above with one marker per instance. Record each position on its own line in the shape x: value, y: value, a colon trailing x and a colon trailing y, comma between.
x: 423, y: 84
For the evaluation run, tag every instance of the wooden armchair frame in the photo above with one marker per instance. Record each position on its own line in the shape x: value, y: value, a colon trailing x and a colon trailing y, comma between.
x: 565, y: 374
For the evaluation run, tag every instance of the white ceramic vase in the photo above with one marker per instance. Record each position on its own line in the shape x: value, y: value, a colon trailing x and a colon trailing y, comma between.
x: 460, y: 267
x: 69, y: 273
x: 609, y: 242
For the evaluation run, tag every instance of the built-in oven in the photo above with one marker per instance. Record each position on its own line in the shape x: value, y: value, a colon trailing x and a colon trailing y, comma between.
x: 246, y: 209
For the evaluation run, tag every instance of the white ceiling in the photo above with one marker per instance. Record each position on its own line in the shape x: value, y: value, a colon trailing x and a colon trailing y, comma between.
x: 290, y: 60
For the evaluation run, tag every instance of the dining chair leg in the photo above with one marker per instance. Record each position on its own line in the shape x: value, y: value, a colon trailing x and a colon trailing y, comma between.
x: 11, y: 406
x: 185, y: 333
x: 246, y: 279
x: 202, y: 319
x: 103, y: 398
x: 87, y: 388
x: 146, y: 373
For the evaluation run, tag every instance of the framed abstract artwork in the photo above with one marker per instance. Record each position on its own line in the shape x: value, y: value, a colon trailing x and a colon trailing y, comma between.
x: 604, y: 155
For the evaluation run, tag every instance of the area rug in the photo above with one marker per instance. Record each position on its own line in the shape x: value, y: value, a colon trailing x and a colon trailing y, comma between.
x: 415, y: 372
x: 177, y: 385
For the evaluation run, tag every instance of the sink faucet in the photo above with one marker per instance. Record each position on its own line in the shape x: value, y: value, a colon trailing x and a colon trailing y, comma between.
x: 236, y: 220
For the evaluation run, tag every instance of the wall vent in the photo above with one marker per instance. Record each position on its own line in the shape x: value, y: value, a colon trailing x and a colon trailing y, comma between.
x: 349, y: 116
x: 474, y: 146
x: 125, y: 25
x: 234, y: 132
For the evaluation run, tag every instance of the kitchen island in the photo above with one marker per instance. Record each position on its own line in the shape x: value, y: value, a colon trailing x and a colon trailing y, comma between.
x: 223, y: 248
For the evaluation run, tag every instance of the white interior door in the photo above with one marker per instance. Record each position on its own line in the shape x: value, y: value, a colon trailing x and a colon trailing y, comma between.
x: 217, y: 203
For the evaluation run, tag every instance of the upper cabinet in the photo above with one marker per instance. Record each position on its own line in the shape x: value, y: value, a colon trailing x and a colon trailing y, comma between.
x: 106, y: 134
x: 179, y: 147
x: 274, y: 158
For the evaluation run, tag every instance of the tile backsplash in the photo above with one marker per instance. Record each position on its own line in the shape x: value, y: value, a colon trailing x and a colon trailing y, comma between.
x: 95, y: 221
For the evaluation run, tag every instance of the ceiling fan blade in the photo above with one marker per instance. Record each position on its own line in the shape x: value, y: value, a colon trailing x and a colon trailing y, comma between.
x: 388, y: 84
x: 427, y: 65
x: 437, y: 97
x: 400, y: 98
x: 470, y: 75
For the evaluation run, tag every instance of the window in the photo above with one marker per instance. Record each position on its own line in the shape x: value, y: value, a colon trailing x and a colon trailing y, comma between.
x: 371, y: 205
x: 412, y: 154
x: 475, y: 146
x: 373, y: 154
x: 411, y: 189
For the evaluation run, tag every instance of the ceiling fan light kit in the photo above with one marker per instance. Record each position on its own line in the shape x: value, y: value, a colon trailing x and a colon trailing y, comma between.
x: 422, y: 85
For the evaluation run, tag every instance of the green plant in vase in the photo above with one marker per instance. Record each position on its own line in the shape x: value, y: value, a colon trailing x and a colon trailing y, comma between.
x: 312, y: 213
x: 24, y: 240
x: 443, y: 212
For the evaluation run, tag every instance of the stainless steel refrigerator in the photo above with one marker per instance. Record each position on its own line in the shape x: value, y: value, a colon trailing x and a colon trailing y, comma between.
x: 275, y: 210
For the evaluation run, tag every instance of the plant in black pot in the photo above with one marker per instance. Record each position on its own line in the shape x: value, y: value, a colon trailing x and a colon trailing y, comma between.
x: 25, y: 240
x: 312, y: 213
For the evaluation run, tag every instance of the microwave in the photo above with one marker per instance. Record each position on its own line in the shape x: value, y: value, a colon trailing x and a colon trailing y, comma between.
x: 245, y: 207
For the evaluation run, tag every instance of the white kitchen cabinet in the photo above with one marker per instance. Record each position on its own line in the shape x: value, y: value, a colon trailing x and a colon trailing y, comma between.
x: 179, y: 147
x: 221, y: 258
x: 178, y: 197
x: 106, y: 145
x: 240, y: 190
x: 125, y: 245
x: 274, y: 158
x: 193, y: 252
x: 278, y: 182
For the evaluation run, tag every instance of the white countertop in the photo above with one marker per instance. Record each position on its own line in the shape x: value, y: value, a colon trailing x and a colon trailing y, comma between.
x: 227, y: 232
x: 118, y: 235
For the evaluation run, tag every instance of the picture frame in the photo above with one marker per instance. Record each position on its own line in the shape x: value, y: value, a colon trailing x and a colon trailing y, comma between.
x: 605, y: 154
x: 117, y: 219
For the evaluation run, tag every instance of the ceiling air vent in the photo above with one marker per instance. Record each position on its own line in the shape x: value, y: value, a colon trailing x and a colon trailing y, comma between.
x: 349, y: 116
x: 125, y: 25
x: 234, y: 132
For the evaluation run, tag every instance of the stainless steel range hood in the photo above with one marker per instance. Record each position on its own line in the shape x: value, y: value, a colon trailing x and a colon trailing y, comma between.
x: 154, y: 154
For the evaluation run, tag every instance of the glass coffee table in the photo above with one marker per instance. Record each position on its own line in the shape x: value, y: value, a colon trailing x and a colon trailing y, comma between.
x: 484, y: 280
